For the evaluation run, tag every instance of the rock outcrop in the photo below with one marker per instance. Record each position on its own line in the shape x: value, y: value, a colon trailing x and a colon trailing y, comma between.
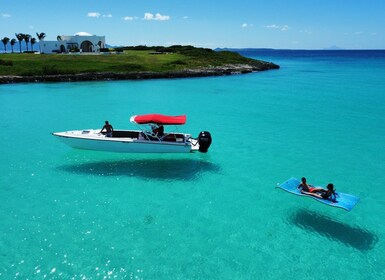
x: 199, y: 72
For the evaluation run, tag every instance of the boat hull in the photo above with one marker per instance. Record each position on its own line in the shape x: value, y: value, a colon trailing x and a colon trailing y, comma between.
x: 91, y: 140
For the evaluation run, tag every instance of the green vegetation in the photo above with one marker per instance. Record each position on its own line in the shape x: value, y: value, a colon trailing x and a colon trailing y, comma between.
x: 5, y: 41
x: 122, y: 60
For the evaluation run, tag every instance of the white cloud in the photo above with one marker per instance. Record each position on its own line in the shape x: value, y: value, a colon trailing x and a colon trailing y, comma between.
x: 97, y: 15
x: 185, y: 17
x: 246, y: 25
x: 128, y: 18
x: 157, y: 16
x: 280, y: 27
x: 358, y: 33
x: 148, y: 16
x: 6, y: 15
x: 30, y: 27
x: 272, y: 26
x: 306, y: 32
x: 93, y: 14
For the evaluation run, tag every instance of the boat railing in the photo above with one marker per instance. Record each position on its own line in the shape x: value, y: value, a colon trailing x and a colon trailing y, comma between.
x: 166, y: 137
x: 147, y: 133
x: 150, y: 136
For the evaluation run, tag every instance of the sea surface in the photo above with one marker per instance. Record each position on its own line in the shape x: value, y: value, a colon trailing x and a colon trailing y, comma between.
x: 74, y: 214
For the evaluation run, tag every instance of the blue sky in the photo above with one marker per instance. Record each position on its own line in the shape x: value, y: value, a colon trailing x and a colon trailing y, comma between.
x: 296, y: 24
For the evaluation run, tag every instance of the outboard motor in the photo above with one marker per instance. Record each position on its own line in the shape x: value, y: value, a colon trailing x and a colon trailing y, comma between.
x: 204, y: 140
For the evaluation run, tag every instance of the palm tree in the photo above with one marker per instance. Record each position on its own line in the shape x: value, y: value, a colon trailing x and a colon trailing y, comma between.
x: 41, y: 37
x: 33, y: 41
x: 27, y: 38
x: 13, y: 42
x: 20, y: 37
x: 5, y: 41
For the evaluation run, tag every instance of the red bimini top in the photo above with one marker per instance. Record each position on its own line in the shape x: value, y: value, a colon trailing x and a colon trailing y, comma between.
x: 158, y: 119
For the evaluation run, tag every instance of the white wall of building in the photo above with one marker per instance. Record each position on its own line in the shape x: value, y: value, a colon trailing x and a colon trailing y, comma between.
x: 83, y: 43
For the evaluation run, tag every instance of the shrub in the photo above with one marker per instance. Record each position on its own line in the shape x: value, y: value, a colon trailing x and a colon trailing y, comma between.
x: 6, y: 62
x: 137, y: 48
x: 50, y: 70
x: 128, y: 67
x: 27, y: 72
x: 161, y: 49
x: 74, y: 49
x: 178, y: 62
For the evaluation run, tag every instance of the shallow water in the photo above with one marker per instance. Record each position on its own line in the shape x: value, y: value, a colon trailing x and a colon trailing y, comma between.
x: 68, y: 213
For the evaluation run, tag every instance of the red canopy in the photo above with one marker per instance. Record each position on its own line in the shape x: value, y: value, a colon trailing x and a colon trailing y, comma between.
x: 159, y: 119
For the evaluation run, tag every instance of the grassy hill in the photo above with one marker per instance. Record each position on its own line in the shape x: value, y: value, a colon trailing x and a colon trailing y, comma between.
x: 123, y: 60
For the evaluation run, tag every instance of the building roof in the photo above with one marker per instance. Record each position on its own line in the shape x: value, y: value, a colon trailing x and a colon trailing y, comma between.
x: 82, y: 33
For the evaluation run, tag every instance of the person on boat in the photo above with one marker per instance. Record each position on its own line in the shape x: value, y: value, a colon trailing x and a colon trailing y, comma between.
x: 305, y: 188
x: 109, y: 129
x: 158, y: 130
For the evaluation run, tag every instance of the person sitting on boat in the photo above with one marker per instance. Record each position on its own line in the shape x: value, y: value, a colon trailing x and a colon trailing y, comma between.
x: 305, y: 188
x: 158, y: 130
x: 109, y: 129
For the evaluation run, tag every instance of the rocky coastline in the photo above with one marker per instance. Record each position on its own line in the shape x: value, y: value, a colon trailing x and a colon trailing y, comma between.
x: 229, y: 69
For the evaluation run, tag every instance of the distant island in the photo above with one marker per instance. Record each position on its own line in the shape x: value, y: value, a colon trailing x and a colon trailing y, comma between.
x: 124, y: 63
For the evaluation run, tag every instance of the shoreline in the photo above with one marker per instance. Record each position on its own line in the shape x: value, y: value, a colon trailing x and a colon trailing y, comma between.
x: 229, y: 69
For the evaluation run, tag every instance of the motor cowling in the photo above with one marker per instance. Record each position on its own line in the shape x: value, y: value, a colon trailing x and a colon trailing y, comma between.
x: 204, y: 140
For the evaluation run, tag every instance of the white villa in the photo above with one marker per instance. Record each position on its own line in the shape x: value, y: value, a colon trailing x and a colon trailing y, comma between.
x: 79, y: 42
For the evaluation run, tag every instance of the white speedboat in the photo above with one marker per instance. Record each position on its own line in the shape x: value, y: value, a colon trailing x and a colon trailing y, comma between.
x: 151, y: 138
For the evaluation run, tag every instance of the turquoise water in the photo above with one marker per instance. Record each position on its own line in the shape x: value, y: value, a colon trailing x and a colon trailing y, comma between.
x: 72, y: 214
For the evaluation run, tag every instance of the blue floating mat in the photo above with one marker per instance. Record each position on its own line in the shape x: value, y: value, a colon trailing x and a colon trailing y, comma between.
x: 344, y: 200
